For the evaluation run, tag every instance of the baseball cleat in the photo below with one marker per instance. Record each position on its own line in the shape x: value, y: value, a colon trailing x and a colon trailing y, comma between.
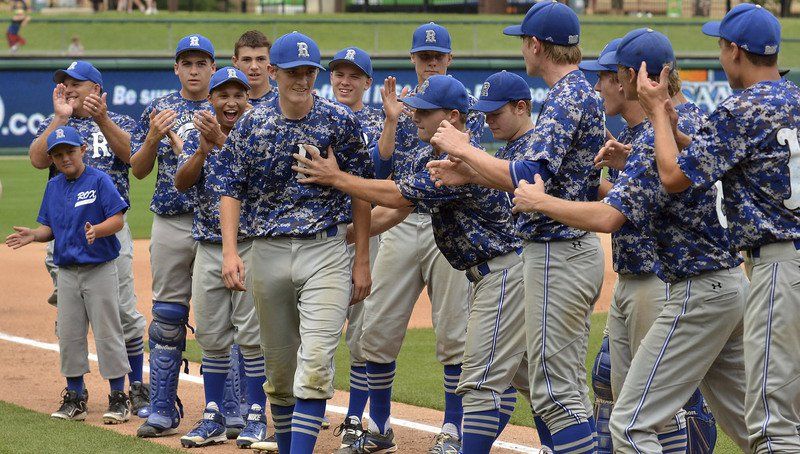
x: 268, y: 445
x: 209, y: 430
x: 349, y: 431
x: 139, y: 394
x: 371, y: 443
x: 72, y: 407
x: 326, y: 423
x: 445, y: 444
x: 119, y: 408
x: 255, y: 429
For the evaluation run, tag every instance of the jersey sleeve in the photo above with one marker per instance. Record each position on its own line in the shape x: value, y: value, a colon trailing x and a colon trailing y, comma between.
x: 475, y: 121
x: 636, y: 192
x: 351, y: 151
x: 140, y: 130
x: 233, y: 174
x: 720, y: 144
x: 42, y: 127
x: 110, y: 199
x: 44, y: 214
x: 190, y: 146
x: 126, y: 123
x: 420, y: 189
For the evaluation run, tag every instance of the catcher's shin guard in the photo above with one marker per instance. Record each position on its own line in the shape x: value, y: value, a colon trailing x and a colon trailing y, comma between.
x: 167, y: 342
x: 603, y: 398
x: 701, y: 427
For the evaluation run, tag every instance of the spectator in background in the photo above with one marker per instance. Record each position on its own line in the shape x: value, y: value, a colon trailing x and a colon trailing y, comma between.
x: 18, y: 20
x: 75, y: 48
x: 127, y: 5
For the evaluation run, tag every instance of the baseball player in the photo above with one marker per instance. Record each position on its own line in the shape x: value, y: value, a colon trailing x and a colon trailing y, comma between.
x: 299, y: 270
x: 251, y: 56
x: 401, y: 272
x: 351, y: 77
x: 563, y: 265
x: 750, y: 144
x: 172, y: 247
x: 82, y: 210
x: 472, y: 228
x: 79, y: 102
x: 223, y: 316
x: 707, y: 286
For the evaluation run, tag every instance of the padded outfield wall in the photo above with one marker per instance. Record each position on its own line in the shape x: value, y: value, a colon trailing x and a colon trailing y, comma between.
x: 26, y: 87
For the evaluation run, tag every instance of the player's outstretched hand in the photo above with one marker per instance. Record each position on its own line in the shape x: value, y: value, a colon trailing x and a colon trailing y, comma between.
x: 162, y: 122
x: 450, y: 172
x: 362, y: 283
x: 527, y: 197
x: 90, y: 233
x: 61, y: 108
x: 652, y: 94
x: 450, y: 140
x: 317, y: 170
x: 233, y: 272
x: 20, y: 237
x: 613, y: 155
x: 392, y: 106
x: 96, y: 106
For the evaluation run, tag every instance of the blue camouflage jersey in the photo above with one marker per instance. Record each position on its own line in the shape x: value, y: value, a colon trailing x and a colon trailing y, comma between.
x: 408, y: 145
x: 751, y: 144
x: 266, y: 97
x: 471, y: 223
x: 98, y: 152
x: 167, y: 200
x: 259, y: 152
x: 632, y: 250
x: 688, y: 232
x: 371, y: 119
x: 206, y: 224
x: 568, y: 134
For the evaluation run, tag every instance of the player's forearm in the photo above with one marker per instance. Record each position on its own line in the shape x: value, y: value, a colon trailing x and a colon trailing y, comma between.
x: 590, y: 216
x: 493, y: 172
x: 229, y: 211
x: 118, y: 139
x: 38, y: 149
x: 42, y: 234
x: 110, y: 226
x: 362, y: 212
x: 387, y: 140
x: 379, y: 192
x: 666, y: 149
x: 384, y: 218
x: 143, y: 161
x: 605, y: 186
x: 189, y: 173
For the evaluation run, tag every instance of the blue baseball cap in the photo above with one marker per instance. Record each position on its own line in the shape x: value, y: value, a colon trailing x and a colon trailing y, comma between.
x: 594, y: 65
x: 641, y: 45
x: 79, y: 70
x: 194, y: 42
x: 294, y: 49
x: 439, y: 92
x: 228, y: 74
x: 63, y: 135
x: 354, y: 56
x: 751, y: 27
x: 501, y: 88
x: 431, y: 36
x: 549, y: 21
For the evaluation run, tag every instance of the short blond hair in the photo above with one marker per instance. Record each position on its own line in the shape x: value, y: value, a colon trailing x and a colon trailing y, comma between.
x: 561, y: 55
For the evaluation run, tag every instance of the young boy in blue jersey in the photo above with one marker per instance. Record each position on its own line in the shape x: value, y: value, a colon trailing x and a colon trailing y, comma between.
x: 82, y: 210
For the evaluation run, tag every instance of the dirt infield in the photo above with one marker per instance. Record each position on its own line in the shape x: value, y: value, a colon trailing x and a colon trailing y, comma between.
x: 31, y: 378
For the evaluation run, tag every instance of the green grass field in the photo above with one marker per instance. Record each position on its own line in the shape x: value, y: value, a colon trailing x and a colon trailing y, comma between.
x: 135, y: 34
x: 22, y: 191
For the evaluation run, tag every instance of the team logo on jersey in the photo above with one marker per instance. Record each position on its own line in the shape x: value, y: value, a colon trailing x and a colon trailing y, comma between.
x: 232, y: 73
x: 430, y: 36
x: 423, y: 86
x: 72, y: 66
x: 86, y: 197
x: 194, y: 41
x: 302, y: 50
x: 59, y: 133
x: 485, y: 89
x: 350, y: 55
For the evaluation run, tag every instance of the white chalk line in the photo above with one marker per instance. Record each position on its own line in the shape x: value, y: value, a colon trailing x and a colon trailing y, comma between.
x: 332, y: 408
